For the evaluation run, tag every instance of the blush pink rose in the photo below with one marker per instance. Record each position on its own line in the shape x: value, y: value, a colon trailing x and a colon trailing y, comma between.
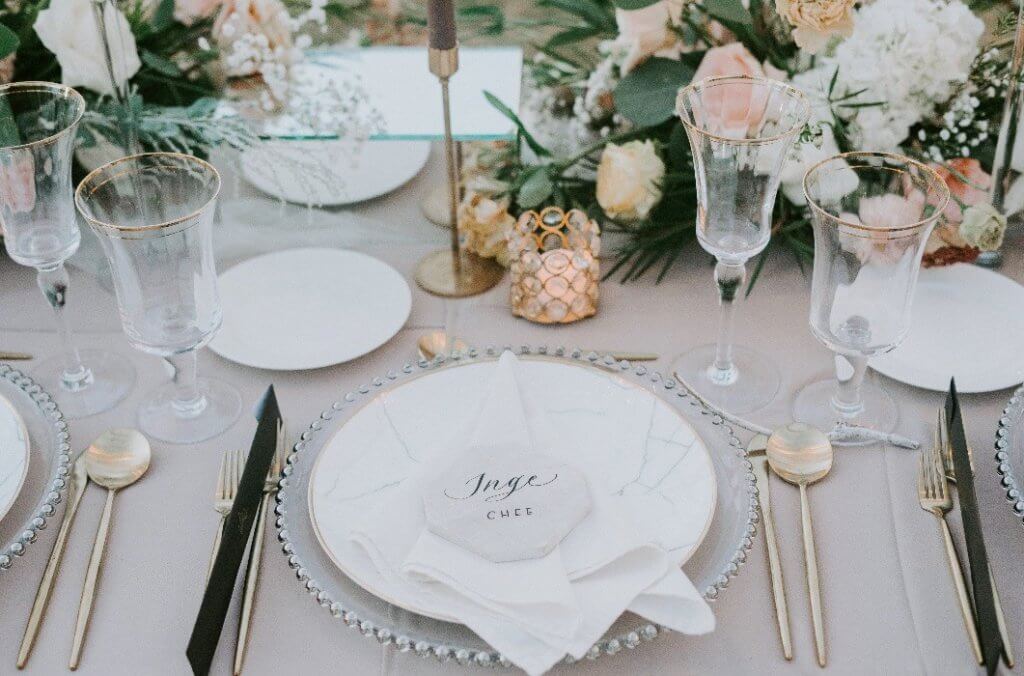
x: 731, y: 108
x: 18, y: 183
x: 968, y: 185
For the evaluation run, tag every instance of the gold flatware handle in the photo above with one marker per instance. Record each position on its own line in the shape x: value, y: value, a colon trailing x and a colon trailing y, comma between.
x: 813, y: 587
x: 216, y: 547
x: 966, y: 608
x: 1001, y: 621
x: 35, y: 618
x: 91, y: 575
x: 632, y: 356
x: 252, y: 573
x: 15, y: 356
x: 774, y: 561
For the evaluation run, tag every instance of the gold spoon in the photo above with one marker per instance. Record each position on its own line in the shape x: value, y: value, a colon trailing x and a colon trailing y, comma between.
x: 118, y: 458
x: 433, y: 343
x: 801, y: 455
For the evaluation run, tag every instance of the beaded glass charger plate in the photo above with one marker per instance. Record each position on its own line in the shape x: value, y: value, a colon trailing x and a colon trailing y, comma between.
x: 44, y: 480
x: 723, y: 543
x: 1009, y: 454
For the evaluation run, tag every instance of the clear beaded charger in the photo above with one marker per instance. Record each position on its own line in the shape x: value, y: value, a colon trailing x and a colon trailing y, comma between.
x: 718, y: 559
x: 1009, y: 455
x: 48, y: 466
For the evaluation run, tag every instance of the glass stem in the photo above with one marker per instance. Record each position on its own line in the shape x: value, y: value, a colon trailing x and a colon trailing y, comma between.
x: 850, y: 372
x: 53, y: 282
x: 188, y: 401
x: 451, y: 325
x: 730, y: 278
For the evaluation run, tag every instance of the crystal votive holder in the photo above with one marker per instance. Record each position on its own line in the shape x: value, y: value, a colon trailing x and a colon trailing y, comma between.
x: 554, y: 265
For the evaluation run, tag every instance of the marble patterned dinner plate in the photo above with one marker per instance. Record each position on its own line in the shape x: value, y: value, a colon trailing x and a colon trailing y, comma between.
x: 648, y: 453
x: 966, y: 323
x: 14, y: 455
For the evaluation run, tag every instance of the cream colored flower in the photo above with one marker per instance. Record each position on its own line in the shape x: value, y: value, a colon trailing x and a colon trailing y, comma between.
x: 485, y: 224
x: 68, y: 29
x: 646, y: 32
x: 629, y: 180
x: 983, y: 227
x: 252, y: 33
x: 187, y: 12
x: 7, y: 69
x: 816, y: 21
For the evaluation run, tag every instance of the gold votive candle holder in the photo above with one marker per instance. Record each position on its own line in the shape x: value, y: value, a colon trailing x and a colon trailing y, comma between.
x: 554, y: 266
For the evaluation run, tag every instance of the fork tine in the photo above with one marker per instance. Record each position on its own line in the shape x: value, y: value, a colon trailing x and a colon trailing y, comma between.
x: 221, y: 476
x: 939, y: 474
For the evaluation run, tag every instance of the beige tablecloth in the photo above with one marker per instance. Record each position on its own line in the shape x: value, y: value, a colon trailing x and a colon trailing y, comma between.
x: 889, y: 604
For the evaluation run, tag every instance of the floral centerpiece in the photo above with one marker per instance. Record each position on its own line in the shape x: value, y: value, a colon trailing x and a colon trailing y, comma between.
x: 599, y: 130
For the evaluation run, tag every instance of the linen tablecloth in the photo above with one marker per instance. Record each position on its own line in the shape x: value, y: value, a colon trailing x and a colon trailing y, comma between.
x: 888, y: 600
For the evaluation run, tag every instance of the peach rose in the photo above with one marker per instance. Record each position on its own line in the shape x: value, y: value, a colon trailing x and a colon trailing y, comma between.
x: 646, y: 32
x: 968, y: 185
x: 18, y: 182
x: 816, y: 21
x: 731, y: 108
x: 882, y: 212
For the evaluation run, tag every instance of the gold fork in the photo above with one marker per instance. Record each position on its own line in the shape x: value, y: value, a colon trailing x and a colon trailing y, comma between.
x: 252, y: 571
x: 231, y: 466
x: 933, y: 494
x: 946, y: 453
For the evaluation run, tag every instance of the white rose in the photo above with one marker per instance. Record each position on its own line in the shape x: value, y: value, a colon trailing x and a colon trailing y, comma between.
x: 68, y: 29
x: 629, y: 180
x: 983, y: 227
x: 803, y: 156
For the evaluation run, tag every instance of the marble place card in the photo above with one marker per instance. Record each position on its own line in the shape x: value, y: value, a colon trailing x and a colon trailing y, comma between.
x: 506, y: 508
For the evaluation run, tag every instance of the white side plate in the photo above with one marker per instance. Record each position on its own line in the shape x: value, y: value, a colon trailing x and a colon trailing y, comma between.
x: 13, y: 455
x: 309, y: 308
x: 968, y: 323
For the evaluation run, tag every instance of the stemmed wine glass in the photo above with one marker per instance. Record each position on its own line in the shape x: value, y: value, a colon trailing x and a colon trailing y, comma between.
x: 872, y: 214
x: 740, y: 130
x: 153, y: 214
x: 38, y: 125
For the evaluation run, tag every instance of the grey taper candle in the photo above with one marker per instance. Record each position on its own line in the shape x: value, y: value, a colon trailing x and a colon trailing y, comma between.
x: 441, y: 23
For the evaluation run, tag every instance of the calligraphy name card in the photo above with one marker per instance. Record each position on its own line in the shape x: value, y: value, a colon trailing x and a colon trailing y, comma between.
x: 506, y: 508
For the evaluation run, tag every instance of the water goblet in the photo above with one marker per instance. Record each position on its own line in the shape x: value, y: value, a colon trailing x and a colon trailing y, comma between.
x: 38, y: 125
x: 872, y: 214
x: 153, y: 214
x: 740, y: 130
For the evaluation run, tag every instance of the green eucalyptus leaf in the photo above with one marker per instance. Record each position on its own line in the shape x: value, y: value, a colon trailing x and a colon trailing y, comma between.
x: 536, y: 147
x: 729, y: 12
x: 160, y: 64
x: 8, y: 41
x: 635, y: 4
x: 163, y: 17
x: 647, y: 96
x: 679, y: 153
x: 536, y: 188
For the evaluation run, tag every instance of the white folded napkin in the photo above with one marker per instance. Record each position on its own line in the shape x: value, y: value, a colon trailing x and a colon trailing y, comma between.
x: 534, y: 611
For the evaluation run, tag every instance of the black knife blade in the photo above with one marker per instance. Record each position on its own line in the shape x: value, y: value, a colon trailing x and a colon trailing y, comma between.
x: 237, y: 528
x: 986, y: 617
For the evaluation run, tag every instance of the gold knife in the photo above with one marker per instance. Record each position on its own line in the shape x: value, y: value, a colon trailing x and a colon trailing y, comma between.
x: 15, y: 356
x: 756, y: 453
x: 79, y: 479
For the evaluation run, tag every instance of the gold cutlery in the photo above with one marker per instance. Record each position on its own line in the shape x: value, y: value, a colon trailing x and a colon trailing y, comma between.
x: 252, y: 570
x: 77, y: 482
x: 756, y: 452
x: 945, y: 451
x: 117, y: 459
x: 802, y: 455
x: 231, y: 467
x: 935, y: 499
x: 15, y: 356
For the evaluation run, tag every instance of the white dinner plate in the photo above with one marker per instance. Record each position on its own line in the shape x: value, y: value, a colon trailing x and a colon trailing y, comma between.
x: 333, y: 173
x: 309, y: 308
x: 968, y: 322
x: 14, y: 448
x: 649, y: 455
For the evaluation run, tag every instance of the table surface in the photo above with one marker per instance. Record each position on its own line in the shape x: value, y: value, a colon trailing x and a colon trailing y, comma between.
x: 888, y: 600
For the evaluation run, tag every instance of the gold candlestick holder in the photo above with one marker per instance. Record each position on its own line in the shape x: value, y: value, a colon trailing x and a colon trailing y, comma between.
x: 453, y: 273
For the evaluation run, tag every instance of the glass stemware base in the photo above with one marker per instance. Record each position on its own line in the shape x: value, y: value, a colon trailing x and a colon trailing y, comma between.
x: 112, y: 377
x: 161, y: 419
x: 814, y: 405
x: 754, y: 385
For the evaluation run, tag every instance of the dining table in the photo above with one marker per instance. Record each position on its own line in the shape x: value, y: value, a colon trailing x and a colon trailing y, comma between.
x: 888, y: 600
